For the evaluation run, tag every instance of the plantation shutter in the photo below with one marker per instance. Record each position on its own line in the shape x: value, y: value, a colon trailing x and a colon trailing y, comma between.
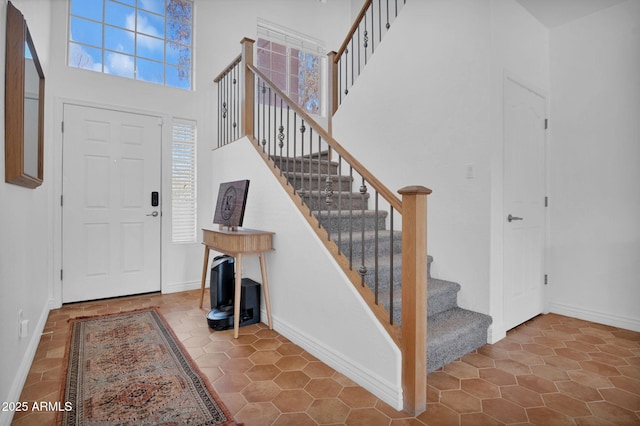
x: 183, y: 183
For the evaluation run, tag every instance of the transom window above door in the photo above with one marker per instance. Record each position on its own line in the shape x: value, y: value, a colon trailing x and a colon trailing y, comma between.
x: 148, y: 40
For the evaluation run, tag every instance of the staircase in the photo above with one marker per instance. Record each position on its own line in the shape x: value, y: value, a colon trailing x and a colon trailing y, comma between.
x: 452, y: 331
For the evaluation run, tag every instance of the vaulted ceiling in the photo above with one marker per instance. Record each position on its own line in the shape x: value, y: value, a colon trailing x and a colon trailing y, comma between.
x: 553, y: 13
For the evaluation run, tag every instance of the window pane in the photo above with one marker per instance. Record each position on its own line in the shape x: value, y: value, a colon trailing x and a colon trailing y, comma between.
x: 178, y: 54
x: 150, y: 71
x: 183, y: 183
x: 291, y: 69
x: 140, y: 38
x: 294, y: 63
x: 86, y: 32
x: 264, y: 59
x: 118, y: 64
x: 156, y: 6
x: 120, y: 16
x: 179, y: 32
x: 178, y: 77
x: 85, y: 57
x: 151, y: 24
x: 90, y: 9
x: 278, y: 48
x: 309, y: 90
x: 279, y: 63
x: 293, y: 85
x: 180, y: 10
x: 280, y: 80
x: 119, y: 40
x: 149, y: 47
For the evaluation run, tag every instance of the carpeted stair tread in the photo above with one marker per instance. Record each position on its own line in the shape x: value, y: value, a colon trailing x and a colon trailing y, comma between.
x: 454, y: 333
x: 384, y: 245
x: 441, y: 296
x: 334, y: 220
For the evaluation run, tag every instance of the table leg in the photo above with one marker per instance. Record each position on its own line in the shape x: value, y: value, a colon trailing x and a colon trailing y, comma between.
x: 204, y: 274
x: 237, y: 296
x: 265, y: 289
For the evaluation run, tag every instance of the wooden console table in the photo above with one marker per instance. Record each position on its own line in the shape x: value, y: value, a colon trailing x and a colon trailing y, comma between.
x: 238, y: 243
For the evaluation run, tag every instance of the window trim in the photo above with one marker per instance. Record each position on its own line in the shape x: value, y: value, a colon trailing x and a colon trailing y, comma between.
x: 292, y: 39
x: 167, y: 67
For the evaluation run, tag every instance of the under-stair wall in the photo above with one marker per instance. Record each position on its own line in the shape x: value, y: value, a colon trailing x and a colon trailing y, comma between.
x: 313, y: 302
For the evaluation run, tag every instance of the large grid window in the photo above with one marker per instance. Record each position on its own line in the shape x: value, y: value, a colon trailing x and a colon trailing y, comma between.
x: 183, y: 182
x: 294, y: 63
x: 148, y: 40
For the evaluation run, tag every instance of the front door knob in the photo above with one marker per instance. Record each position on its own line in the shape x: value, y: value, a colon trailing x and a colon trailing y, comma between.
x: 512, y: 218
x: 154, y: 214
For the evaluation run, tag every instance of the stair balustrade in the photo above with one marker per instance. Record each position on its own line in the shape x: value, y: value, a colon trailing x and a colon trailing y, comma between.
x: 335, y: 192
x: 229, y: 102
x: 370, y: 26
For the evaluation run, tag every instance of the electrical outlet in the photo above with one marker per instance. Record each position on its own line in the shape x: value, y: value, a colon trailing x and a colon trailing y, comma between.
x: 471, y: 174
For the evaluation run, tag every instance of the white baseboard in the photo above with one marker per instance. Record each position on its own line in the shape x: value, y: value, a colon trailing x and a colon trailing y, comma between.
x: 495, y: 334
x: 388, y: 392
x: 177, y: 287
x: 606, y: 318
x: 23, y: 370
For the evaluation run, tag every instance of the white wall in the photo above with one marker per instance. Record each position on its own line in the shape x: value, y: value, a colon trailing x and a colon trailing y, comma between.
x: 26, y: 230
x: 428, y: 117
x: 313, y: 302
x: 219, y: 27
x: 420, y: 118
x: 595, y: 167
x: 30, y: 231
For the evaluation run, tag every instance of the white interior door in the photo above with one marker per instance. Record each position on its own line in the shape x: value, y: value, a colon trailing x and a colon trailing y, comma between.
x: 110, y: 230
x: 524, y: 192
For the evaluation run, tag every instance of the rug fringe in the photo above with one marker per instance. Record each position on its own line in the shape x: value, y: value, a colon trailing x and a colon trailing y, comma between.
x: 83, y: 317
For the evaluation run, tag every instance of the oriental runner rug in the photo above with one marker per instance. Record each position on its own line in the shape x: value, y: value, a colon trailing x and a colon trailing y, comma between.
x: 130, y: 369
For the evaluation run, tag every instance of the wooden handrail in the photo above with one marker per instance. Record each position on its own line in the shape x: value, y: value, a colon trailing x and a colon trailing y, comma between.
x: 353, y: 30
x: 224, y: 72
x: 386, y: 193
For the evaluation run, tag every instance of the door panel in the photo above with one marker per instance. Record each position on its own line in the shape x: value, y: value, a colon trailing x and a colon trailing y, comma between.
x: 110, y: 242
x: 524, y: 189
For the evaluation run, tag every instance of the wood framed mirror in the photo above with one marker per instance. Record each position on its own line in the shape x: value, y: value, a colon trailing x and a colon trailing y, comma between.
x: 24, y: 105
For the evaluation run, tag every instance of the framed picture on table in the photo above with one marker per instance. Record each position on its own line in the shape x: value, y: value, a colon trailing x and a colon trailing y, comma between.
x: 232, y: 199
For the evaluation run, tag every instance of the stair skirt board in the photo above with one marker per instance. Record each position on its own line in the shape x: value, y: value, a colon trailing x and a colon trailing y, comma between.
x: 388, y: 392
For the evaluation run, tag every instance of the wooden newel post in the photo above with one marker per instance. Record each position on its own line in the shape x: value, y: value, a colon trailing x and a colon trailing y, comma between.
x: 247, y: 95
x: 414, y: 298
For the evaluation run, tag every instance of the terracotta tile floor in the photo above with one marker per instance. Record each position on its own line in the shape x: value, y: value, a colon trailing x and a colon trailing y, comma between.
x: 550, y: 370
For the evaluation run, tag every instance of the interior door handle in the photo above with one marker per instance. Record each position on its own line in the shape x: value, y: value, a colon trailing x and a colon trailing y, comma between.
x: 512, y: 218
x: 154, y: 214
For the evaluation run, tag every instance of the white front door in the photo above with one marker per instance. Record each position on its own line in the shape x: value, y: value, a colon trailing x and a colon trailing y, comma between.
x: 524, y: 203
x: 110, y: 229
